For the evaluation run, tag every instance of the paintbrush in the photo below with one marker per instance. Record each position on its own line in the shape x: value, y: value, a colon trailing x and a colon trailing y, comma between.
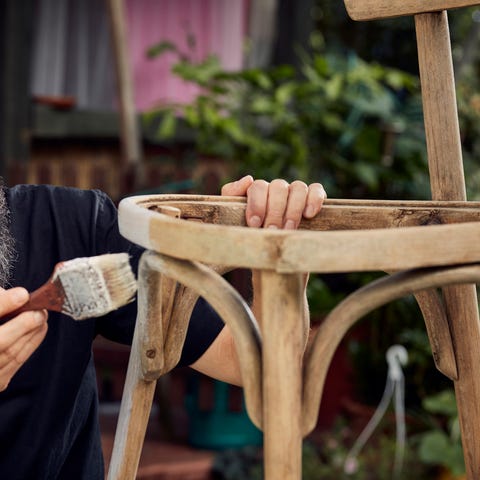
x: 85, y: 287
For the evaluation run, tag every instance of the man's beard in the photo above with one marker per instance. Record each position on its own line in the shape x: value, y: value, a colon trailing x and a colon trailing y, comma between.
x: 6, y: 241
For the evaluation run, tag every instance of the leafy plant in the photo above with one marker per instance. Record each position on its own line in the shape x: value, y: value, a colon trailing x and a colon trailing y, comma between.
x: 468, y: 88
x: 336, y: 119
x: 441, y: 445
x: 321, y: 297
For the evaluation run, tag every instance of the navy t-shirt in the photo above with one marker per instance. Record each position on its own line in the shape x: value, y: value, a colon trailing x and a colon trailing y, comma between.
x: 48, y: 414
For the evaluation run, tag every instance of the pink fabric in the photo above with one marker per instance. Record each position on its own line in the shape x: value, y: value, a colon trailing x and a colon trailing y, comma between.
x: 218, y: 27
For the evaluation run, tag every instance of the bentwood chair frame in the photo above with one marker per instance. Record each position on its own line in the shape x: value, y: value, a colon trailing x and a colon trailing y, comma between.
x: 191, y: 240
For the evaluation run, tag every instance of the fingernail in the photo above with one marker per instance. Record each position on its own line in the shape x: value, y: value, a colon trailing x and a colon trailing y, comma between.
x: 289, y: 225
x: 309, y: 211
x: 255, y: 222
x: 272, y: 227
x: 241, y: 180
x: 39, y: 316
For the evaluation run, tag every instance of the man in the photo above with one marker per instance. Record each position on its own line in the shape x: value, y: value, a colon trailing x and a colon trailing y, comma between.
x: 48, y: 400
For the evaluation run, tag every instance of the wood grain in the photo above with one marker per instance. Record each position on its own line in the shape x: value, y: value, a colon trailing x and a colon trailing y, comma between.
x: 376, y: 249
x: 376, y: 9
x: 282, y: 354
x: 448, y: 183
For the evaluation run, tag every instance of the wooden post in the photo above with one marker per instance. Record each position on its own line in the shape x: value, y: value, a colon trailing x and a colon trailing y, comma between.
x: 447, y: 183
x: 440, y: 107
x: 283, y: 335
x: 130, y: 136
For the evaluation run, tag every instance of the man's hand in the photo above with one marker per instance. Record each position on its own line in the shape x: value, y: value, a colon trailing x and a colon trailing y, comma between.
x: 20, y: 336
x: 277, y: 204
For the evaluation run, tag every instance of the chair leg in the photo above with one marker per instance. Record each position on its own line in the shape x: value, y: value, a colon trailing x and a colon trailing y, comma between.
x: 144, y: 368
x: 462, y: 310
x: 282, y: 374
x: 132, y: 422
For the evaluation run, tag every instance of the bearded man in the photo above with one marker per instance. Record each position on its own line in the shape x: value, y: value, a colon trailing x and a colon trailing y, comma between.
x: 48, y: 396
x: 6, y: 241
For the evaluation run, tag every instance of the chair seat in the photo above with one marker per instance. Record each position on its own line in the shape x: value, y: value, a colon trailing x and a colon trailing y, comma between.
x: 381, y: 235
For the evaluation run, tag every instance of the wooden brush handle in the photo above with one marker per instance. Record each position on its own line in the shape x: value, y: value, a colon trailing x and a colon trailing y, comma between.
x: 49, y: 296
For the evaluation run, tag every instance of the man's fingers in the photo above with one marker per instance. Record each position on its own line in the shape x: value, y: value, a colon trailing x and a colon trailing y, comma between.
x: 16, y: 328
x: 12, y: 359
x: 278, y: 196
x: 20, y: 336
x: 280, y: 205
x: 238, y: 188
x: 277, y: 204
x: 19, y: 351
x: 12, y: 299
x: 315, y: 198
x: 257, y: 203
x: 296, y: 204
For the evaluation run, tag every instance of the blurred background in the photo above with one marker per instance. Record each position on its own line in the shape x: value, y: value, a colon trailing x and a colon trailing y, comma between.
x: 172, y: 96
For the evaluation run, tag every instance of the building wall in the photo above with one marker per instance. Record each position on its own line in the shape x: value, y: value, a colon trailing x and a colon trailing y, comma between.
x: 73, y: 56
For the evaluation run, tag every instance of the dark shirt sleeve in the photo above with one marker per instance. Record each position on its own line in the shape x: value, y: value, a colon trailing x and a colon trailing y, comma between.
x: 205, y: 324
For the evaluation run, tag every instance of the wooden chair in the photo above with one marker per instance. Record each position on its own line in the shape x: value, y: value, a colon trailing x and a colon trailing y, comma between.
x: 191, y: 240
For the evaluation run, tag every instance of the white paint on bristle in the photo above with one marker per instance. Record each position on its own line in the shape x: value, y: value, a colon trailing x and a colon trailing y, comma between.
x: 87, y: 293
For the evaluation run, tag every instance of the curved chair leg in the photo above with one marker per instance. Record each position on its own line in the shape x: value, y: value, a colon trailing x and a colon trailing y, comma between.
x: 158, y: 340
x: 232, y: 309
x: 355, y: 306
x: 438, y: 331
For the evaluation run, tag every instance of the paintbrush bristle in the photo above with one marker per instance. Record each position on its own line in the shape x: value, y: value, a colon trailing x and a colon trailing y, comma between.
x: 94, y: 286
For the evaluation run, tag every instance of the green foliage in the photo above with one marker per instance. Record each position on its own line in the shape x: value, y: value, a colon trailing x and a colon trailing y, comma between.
x: 468, y: 88
x: 441, y: 444
x: 337, y: 119
x: 321, y: 297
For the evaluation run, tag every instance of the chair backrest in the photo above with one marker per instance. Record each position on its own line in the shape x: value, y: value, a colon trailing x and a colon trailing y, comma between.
x: 374, y: 9
x: 438, y: 85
